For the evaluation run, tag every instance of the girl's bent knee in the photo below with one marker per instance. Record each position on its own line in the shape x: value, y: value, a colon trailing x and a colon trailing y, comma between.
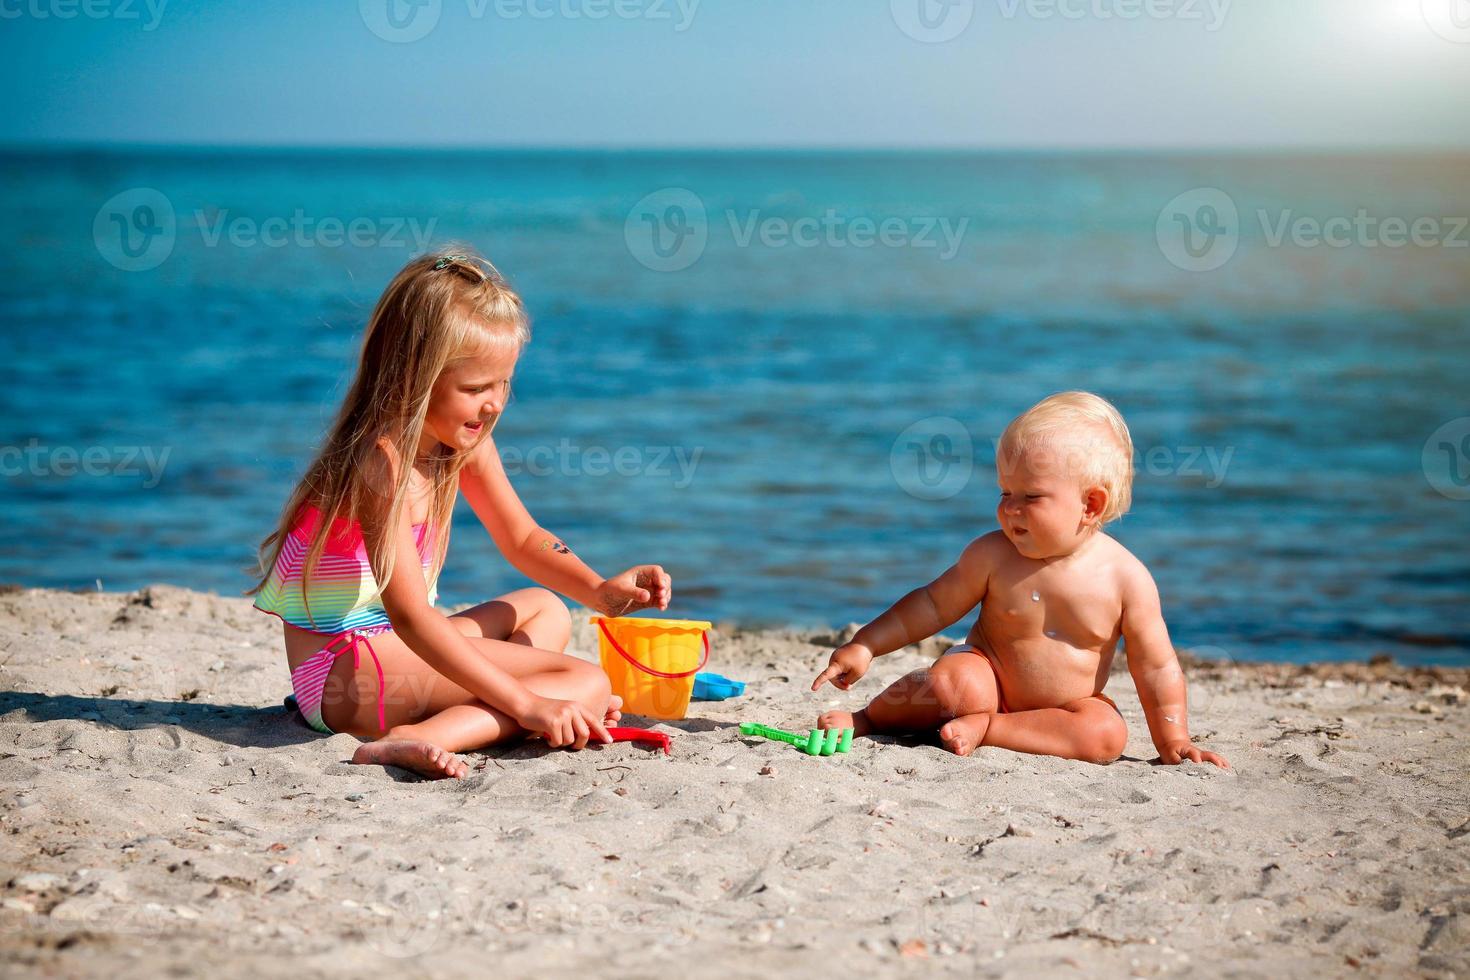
x: 551, y: 604
x: 594, y: 683
x: 551, y: 613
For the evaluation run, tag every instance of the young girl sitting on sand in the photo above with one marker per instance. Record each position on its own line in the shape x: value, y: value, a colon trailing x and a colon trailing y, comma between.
x: 353, y: 564
x: 1055, y: 595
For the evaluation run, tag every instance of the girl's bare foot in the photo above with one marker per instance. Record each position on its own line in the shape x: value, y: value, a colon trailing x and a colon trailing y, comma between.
x: 964, y: 734
x: 415, y: 755
x: 614, y: 714
x: 856, y: 720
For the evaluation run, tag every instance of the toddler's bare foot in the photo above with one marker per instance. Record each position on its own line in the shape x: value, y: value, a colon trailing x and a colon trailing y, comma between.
x: 614, y: 712
x: 964, y: 734
x: 415, y: 755
x: 856, y: 720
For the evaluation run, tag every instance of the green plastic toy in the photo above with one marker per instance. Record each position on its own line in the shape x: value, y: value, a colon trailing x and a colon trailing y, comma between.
x: 815, y: 742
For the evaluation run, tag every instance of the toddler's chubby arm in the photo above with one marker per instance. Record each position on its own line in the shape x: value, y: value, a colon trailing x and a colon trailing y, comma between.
x: 920, y: 614
x: 1156, y: 671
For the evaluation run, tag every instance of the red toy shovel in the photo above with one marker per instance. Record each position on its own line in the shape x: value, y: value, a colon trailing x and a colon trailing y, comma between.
x: 641, y: 735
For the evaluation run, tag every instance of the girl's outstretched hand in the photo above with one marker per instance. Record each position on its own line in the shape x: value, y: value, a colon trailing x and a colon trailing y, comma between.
x: 640, y: 587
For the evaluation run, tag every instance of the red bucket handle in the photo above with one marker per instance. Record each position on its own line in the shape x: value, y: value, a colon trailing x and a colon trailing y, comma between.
x: 602, y: 625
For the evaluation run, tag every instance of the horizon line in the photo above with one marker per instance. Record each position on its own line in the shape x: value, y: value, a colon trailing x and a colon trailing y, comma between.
x: 64, y: 145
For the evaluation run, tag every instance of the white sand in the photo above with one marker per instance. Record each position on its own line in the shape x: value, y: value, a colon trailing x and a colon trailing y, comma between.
x: 161, y: 814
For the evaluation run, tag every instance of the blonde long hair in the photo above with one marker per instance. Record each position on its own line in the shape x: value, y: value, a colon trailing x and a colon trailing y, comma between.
x: 437, y: 309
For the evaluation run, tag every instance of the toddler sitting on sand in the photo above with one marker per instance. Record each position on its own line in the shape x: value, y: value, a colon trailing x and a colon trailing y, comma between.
x: 1055, y: 595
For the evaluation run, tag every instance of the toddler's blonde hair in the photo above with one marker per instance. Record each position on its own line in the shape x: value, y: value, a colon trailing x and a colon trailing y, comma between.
x: 1084, y: 437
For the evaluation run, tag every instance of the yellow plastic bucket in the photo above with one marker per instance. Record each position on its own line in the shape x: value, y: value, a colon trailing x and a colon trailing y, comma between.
x: 652, y: 662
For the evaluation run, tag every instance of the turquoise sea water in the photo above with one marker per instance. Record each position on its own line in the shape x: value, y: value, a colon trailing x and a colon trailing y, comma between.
x: 777, y: 374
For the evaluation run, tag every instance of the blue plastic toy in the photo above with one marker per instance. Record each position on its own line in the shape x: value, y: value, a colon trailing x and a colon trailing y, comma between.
x: 713, y: 687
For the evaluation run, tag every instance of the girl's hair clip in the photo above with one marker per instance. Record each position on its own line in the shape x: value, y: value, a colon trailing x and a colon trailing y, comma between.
x: 446, y: 260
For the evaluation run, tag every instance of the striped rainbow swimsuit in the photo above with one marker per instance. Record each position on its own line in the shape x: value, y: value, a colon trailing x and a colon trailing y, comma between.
x: 339, y: 602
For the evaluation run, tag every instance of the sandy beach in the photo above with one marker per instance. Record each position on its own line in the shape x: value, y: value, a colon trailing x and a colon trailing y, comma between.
x: 162, y: 814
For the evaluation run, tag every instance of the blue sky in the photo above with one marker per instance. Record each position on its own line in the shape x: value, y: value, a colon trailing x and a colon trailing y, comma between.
x: 1014, y: 73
